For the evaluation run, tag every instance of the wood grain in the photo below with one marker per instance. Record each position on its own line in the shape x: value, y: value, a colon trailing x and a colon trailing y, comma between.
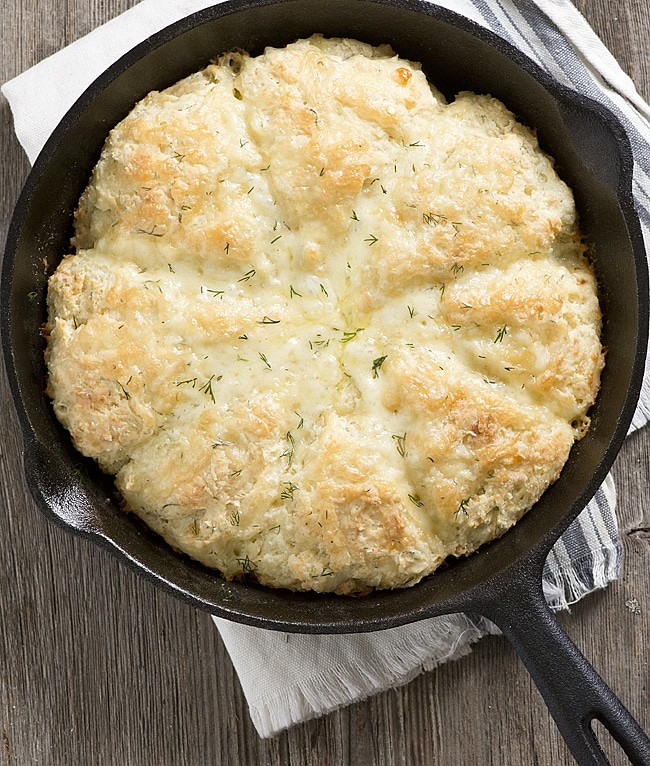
x: 98, y: 667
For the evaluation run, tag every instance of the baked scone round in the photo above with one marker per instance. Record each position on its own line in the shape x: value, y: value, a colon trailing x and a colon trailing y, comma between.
x: 325, y: 328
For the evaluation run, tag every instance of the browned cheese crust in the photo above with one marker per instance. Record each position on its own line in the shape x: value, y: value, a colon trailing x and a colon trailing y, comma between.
x: 324, y: 327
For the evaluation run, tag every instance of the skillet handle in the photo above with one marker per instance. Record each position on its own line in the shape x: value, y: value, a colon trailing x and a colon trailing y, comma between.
x: 574, y: 693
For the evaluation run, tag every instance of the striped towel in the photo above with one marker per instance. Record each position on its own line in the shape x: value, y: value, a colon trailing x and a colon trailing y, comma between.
x: 288, y: 678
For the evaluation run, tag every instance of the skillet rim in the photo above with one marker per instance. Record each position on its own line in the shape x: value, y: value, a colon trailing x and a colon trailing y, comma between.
x: 33, y: 450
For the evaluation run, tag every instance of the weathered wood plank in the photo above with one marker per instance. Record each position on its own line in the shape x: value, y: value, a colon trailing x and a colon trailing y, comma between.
x: 97, y: 667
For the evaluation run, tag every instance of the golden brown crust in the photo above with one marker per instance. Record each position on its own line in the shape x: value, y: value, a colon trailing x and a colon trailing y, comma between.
x: 325, y: 328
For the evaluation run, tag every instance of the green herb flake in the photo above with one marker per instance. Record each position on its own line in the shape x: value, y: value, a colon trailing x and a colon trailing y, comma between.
x: 206, y: 389
x: 288, y: 492
x: 246, y: 564
x: 462, y: 508
x: 288, y: 453
x: 125, y: 393
x: 457, y: 269
x: 151, y: 233
x: 376, y: 365
x: 371, y: 240
x: 265, y: 360
x: 400, y: 442
x: 433, y: 219
x: 415, y: 499
x: 248, y: 275
x: 349, y: 335
x: 501, y: 333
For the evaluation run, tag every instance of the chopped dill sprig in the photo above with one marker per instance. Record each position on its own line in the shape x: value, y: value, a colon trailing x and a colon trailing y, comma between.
x: 457, y: 269
x: 301, y: 420
x: 273, y: 241
x: 215, y: 293
x: 354, y: 216
x: 33, y: 295
x: 234, y: 518
x: 501, y: 332
x: 415, y: 499
x: 170, y: 268
x: 349, y: 335
x: 411, y: 311
x: 184, y: 382
x: 376, y: 365
x: 371, y: 240
x: 317, y: 343
x: 268, y: 320
x: 265, y: 360
x: 287, y: 494
x: 462, y: 508
x: 248, y: 275
x: 288, y: 453
x: 246, y: 564
x: 206, y: 389
x: 327, y: 572
x: 275, y: 529
x: 155, y: 282
x: 400, y: 443
x: 323, y: 290
x: 433, y: 219
x: 293, y: 291
x: 125, y: 393
x: 151, y: 233
x: 227, y: 248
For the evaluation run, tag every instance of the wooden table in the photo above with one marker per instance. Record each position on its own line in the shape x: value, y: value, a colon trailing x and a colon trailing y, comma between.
x: 97, y: 667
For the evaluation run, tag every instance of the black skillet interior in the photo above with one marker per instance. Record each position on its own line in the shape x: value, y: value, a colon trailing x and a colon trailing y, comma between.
x: 592, y: 155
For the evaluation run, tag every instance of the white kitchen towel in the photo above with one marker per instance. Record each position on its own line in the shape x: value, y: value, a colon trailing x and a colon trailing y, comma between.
x: 288, y: 678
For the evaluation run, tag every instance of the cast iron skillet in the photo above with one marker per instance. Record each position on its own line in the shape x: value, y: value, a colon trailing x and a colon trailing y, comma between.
x: 502, y: 581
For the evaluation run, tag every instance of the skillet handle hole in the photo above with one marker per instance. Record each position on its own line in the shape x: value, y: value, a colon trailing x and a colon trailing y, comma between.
x: 608, y: 743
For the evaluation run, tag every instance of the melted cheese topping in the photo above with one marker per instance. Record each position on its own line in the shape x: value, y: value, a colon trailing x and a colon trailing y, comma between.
x: 324, y: 328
